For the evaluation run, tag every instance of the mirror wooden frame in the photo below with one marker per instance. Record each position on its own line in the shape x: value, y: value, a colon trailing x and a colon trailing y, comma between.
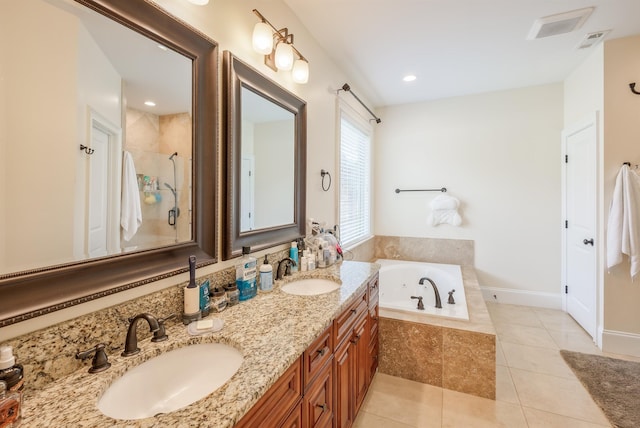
x: 236, y: 75
x: 36, y: 292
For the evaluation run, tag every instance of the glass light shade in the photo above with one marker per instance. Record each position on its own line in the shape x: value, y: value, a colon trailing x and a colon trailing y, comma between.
x: 262, y: 38
x: 284, y: 56
x: 300, y: 71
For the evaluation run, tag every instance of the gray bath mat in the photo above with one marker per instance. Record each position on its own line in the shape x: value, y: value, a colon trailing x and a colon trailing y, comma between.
x: 612, y: 383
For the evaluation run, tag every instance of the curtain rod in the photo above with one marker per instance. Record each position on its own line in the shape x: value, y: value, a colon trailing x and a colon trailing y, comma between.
x: 347, y: 88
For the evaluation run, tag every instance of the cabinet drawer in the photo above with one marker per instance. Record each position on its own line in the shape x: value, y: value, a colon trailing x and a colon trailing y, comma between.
x: 276, y: 404
x: 317, y: 355
x: 343, y: 324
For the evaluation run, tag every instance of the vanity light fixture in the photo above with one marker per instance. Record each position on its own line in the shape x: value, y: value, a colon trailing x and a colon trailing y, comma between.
x: 150, y: 103
x: 283, y: 57
x: 409, y: 78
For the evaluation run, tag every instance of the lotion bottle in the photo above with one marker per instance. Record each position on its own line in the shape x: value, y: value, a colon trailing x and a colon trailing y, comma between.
x: 266, y: 276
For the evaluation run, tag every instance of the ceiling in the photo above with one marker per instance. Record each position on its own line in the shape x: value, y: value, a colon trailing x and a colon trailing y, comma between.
x: 454, y: 47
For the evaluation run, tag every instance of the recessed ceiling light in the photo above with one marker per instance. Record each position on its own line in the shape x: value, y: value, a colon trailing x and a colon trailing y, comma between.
x: 163, y: 48
x: 150, y: 103
x: 199, y: 2
x: 409, y: 78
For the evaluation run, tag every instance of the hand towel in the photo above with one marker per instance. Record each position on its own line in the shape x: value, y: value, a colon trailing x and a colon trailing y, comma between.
x: 131, y: 212
x: 623, y: 231
x: 444, y: 209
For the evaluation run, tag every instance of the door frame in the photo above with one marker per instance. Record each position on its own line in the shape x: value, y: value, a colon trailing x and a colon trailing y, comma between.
x: 593, y: 119
x: 114, y: 179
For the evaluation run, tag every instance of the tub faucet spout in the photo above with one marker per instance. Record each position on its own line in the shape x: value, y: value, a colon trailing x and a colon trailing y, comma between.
x: 435, y: 290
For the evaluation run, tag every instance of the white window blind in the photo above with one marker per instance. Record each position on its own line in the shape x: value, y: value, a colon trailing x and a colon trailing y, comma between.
x: 355, y: 179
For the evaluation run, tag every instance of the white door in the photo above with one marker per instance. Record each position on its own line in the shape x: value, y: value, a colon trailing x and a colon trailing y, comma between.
x: 580, y: 227
x: 98, y: 194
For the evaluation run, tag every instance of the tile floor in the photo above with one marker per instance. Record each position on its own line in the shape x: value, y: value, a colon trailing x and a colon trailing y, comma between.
x: 534, y: 386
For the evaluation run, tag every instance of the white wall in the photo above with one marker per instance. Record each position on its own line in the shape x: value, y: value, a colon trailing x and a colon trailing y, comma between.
x: 499, y: 154
x: 621, y: 144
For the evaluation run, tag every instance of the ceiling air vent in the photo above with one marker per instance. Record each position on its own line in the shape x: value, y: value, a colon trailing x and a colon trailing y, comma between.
x: 592, y: 38
x: 559, y: 24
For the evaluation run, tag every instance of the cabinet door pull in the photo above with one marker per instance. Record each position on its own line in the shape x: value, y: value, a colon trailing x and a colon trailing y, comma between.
x: 355, y: 339
x: 324, y: 407
x: 354, y: 311
x: 322, y: 351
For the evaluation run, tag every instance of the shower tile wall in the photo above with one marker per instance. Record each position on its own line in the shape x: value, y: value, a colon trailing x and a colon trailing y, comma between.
x: 151, y: 139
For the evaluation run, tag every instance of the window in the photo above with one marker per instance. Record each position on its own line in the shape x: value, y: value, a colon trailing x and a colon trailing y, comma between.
x: 355, y: 178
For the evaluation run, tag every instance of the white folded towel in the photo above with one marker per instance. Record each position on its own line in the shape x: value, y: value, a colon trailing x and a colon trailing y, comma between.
x: 623, y: 230
x: 444, y: 209
x: 131, y: 212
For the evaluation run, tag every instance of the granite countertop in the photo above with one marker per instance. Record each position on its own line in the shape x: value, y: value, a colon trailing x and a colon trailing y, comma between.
x: 271, y: 330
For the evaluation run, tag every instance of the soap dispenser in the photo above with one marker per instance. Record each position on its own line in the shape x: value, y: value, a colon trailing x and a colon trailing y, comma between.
x: 266, y: 275
x: 10, y: 372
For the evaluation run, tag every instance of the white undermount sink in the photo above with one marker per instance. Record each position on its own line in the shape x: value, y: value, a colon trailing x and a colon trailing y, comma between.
x: 170, y: 381
x: 310, y: 287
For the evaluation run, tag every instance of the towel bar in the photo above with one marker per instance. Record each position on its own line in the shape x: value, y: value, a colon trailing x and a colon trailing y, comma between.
x: 443, y: 190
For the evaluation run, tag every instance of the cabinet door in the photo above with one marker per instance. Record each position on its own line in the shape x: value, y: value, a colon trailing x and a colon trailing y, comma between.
x: 272, y: 409
x: 295, y: 419
x: 360, y: 342
x: 318, y: 400
x: 343, y: 365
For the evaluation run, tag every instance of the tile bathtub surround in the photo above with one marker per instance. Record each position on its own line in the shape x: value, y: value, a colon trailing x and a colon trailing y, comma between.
x: 450, y: 251
x: 271, y: 330
x: 454, y: 354
x: 49, y: 354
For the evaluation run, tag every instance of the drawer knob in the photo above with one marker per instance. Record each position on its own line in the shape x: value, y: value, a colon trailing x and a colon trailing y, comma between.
x: 324, y: 407
x: 322, y: 351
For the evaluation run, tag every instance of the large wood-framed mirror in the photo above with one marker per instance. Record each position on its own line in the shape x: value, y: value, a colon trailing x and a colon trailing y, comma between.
x: 85, y: 159
x: 265, y: 160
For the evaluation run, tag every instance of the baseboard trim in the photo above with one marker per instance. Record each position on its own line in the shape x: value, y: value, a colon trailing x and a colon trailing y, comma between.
x: 522, y: 297
x: 620, y: 342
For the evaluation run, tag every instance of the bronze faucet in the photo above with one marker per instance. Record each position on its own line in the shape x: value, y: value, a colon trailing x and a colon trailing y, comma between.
x: 435, y: 290
x: 287, y: 262
x: 131, y: 343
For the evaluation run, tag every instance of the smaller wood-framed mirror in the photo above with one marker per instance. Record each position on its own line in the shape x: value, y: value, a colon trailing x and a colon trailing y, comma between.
x: 265, y: 152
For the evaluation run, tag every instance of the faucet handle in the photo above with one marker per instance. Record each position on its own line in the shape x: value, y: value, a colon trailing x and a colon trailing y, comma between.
x: 160, y: 335
x: 451, y: 299
x: 100, y: 361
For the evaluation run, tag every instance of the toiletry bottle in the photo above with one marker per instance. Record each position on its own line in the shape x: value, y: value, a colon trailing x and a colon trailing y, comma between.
x: 246, y: 275
x: 293, y: 255
x: 311, y: 262
x: 304, y: 266
x: 218, y: 300
x: 10, y: 406
x: 10, y: 372
x: 205, y: 300
x: 191, y: 295
x: 266, y: 275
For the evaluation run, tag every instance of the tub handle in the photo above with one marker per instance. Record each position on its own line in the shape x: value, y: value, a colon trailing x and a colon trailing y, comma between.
x: 420, y: 304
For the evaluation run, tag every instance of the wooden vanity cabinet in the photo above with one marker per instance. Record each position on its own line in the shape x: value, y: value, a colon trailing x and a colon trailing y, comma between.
x: 326, y: 386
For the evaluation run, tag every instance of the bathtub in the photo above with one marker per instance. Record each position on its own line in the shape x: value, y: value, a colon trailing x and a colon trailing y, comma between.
x: 399, y: 280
